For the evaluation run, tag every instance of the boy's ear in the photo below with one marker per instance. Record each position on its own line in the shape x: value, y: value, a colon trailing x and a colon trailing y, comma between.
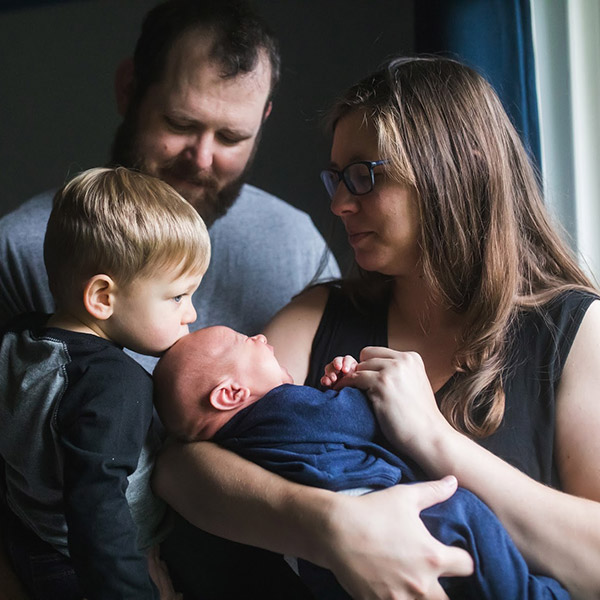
x: 229, y: 395
x: 124, y: 84
x: 98, y: 296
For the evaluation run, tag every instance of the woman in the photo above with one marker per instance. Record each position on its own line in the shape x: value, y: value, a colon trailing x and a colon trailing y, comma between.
x: 458, y: 262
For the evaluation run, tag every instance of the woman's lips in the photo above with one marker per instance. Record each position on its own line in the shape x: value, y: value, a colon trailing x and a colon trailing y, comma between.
x: 357, y: 237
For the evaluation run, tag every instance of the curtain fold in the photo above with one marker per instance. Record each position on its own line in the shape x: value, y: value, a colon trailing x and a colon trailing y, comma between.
x: 494, y: 37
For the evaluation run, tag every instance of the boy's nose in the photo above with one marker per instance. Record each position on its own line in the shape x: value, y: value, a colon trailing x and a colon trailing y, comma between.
x: 190, y: 314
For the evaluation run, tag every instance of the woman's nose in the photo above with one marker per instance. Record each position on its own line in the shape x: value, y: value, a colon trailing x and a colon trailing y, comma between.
x: 343, y: 201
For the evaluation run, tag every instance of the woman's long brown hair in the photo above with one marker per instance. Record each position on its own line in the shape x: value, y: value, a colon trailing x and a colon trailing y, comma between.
x: 488, y: 248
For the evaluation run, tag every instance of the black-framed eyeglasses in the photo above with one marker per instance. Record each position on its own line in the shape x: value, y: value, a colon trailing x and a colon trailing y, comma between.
x: 358, y: 177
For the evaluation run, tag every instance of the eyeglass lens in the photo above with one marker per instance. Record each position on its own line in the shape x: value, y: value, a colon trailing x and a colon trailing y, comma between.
x: 358, y: 178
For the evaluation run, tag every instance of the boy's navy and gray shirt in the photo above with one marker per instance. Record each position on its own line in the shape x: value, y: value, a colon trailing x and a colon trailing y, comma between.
x: 78, y: 439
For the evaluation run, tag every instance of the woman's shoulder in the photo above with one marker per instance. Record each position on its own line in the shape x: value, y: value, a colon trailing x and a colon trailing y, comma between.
x: 561, y: 313
x: 571, y: 299
x: 548, y: 331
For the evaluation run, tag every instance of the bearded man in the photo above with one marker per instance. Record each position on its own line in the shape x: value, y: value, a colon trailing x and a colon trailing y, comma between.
x: 194, y: 99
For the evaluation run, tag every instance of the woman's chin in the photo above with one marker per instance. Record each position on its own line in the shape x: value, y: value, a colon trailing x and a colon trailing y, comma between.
x: 370, y: 263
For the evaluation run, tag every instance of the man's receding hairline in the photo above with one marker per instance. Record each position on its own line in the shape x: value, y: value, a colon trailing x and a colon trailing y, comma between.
x: 188, y: 34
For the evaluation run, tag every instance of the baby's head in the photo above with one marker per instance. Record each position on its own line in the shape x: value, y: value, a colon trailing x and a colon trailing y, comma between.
x: 118, y: 233
x: 208, y: 376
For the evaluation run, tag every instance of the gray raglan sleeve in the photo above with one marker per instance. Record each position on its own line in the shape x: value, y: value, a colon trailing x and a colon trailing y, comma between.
x: 23, y: 280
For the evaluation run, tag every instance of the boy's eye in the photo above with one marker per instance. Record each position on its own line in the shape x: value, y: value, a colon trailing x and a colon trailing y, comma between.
x: 178, y: 298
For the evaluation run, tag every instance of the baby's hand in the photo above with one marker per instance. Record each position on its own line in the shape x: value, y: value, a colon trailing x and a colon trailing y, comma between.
x: 337, y: 368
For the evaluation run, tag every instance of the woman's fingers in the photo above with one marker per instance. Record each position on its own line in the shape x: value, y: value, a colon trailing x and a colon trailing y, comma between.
x: 385, y: 550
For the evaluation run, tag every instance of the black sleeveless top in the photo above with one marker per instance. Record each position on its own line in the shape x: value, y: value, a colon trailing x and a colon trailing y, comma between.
x: 541, y: 341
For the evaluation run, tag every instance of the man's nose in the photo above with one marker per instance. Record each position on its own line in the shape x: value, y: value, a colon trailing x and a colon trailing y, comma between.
x: 201, y: 151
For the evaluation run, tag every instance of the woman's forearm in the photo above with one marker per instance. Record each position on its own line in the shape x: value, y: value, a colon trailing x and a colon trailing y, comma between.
x: 376, y: 545
x: 230, y: 497
x: 557, y: 533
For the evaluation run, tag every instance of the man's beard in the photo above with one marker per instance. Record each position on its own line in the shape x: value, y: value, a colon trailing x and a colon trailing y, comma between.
x: 210, y: 202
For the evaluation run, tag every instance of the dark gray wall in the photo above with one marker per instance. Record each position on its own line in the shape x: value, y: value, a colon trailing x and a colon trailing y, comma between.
x: 57, y: 112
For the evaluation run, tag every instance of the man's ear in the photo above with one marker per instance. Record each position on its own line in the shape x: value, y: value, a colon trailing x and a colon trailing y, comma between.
x: 124, y: 85
x: 98, y: 296
x: 229, y: 395
x: 267, y: 111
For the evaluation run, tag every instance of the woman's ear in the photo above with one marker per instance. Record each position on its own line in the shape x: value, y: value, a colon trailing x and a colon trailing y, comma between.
x: 98, y: 296
x: 229, y: 395
x: 124, y: 85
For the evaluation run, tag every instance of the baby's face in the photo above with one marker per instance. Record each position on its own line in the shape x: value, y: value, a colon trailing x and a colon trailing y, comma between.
x: 252, y: 358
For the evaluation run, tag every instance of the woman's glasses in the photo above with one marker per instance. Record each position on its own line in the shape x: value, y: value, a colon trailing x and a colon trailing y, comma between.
x: 358, y: 177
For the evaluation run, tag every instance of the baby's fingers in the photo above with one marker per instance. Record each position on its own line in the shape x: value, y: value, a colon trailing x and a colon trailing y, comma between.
x: 348, y: 364
x: 337, y: 368
x: 328, y: 380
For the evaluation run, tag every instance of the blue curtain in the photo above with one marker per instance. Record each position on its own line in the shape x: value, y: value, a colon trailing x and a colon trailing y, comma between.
x: 495, y: 37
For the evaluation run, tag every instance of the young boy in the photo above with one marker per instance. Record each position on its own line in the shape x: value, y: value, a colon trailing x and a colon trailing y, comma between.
x: 124, y: 254
x: 218, y: 384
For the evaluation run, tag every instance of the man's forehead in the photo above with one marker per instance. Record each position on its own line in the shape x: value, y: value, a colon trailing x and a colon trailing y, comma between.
x: 191, y: 57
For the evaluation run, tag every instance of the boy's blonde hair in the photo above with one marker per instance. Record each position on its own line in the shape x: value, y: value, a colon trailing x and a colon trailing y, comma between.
x: 121, y: 223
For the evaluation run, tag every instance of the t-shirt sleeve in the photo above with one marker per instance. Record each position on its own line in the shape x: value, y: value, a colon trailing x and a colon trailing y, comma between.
x: 23, y: 279
x: 102, y: 421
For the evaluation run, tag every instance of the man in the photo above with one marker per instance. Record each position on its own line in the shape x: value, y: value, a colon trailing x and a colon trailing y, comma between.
x: 194, y: 99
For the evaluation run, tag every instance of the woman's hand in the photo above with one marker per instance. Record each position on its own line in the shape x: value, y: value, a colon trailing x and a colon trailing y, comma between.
x: 402, y: 398
x: 383, y: 550
x: 376, y: 544
x: 339, y: 367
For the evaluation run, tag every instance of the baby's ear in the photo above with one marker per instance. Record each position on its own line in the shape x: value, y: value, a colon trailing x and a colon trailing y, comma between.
x: 229, y: 395
x: 98, y: 297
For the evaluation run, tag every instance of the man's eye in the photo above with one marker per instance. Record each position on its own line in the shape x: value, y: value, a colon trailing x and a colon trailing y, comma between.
x: 175, y: 126
x: 230, y: 140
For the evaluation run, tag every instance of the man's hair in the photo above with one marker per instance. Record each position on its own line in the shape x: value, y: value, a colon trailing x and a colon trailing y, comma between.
x: 488, y: 248
x: 123, y: 224
x: 240, y: 37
